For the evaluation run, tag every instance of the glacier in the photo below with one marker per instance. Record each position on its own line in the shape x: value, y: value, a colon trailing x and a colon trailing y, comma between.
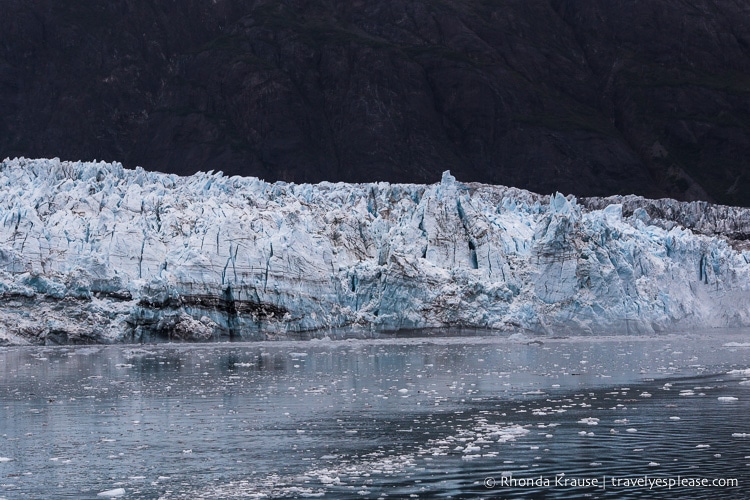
x: 91, y: 252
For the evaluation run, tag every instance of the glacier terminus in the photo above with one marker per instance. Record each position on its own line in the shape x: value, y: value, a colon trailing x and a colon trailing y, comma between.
x: 96, y: 253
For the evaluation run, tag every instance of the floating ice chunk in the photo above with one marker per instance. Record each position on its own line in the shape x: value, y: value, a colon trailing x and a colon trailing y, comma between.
x: 631, y: 429
x: 727, y: 399
x: 589, y: 421
x: 741, y: 435
x: 117, y: 492
x: 325, y: 479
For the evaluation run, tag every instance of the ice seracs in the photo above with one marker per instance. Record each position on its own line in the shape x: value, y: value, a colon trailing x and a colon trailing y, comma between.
x: 93, y: 252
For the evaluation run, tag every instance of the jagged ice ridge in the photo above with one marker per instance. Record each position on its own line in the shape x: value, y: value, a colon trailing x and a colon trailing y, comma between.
x: 93, y: 252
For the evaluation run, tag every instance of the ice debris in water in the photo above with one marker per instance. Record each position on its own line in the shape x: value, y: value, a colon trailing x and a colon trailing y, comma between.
x: 589, y: 421
x: 347, y: 471
x: 96, y: 252
x: 117, y: 492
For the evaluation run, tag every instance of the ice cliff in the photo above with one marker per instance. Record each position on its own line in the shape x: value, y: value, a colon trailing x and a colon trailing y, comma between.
x: 92, y: 252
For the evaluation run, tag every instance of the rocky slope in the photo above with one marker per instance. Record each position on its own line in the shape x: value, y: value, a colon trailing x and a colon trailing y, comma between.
x: 581, y: 96
x: 92, y: 252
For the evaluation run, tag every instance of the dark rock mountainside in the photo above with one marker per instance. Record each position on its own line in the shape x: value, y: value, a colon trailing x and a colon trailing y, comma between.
x: 582, y: 96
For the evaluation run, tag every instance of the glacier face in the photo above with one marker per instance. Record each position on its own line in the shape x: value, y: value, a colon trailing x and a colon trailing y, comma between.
x: 92, y: 252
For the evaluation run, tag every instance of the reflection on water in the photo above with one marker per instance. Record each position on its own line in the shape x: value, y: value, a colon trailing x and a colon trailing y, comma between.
x: 375, y: 417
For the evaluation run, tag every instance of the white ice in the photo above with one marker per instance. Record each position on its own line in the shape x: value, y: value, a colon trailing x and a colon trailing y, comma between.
x: 96, y: 252
x: 117, y: 492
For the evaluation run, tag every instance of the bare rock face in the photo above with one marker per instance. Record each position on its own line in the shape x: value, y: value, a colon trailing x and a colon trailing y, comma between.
x: 585, y: 97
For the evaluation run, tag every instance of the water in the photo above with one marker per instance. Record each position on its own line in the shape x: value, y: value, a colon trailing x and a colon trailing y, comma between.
x: 399, y: 417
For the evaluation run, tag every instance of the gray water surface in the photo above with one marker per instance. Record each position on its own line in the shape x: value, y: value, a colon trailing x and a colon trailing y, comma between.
x: 418, y: 417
